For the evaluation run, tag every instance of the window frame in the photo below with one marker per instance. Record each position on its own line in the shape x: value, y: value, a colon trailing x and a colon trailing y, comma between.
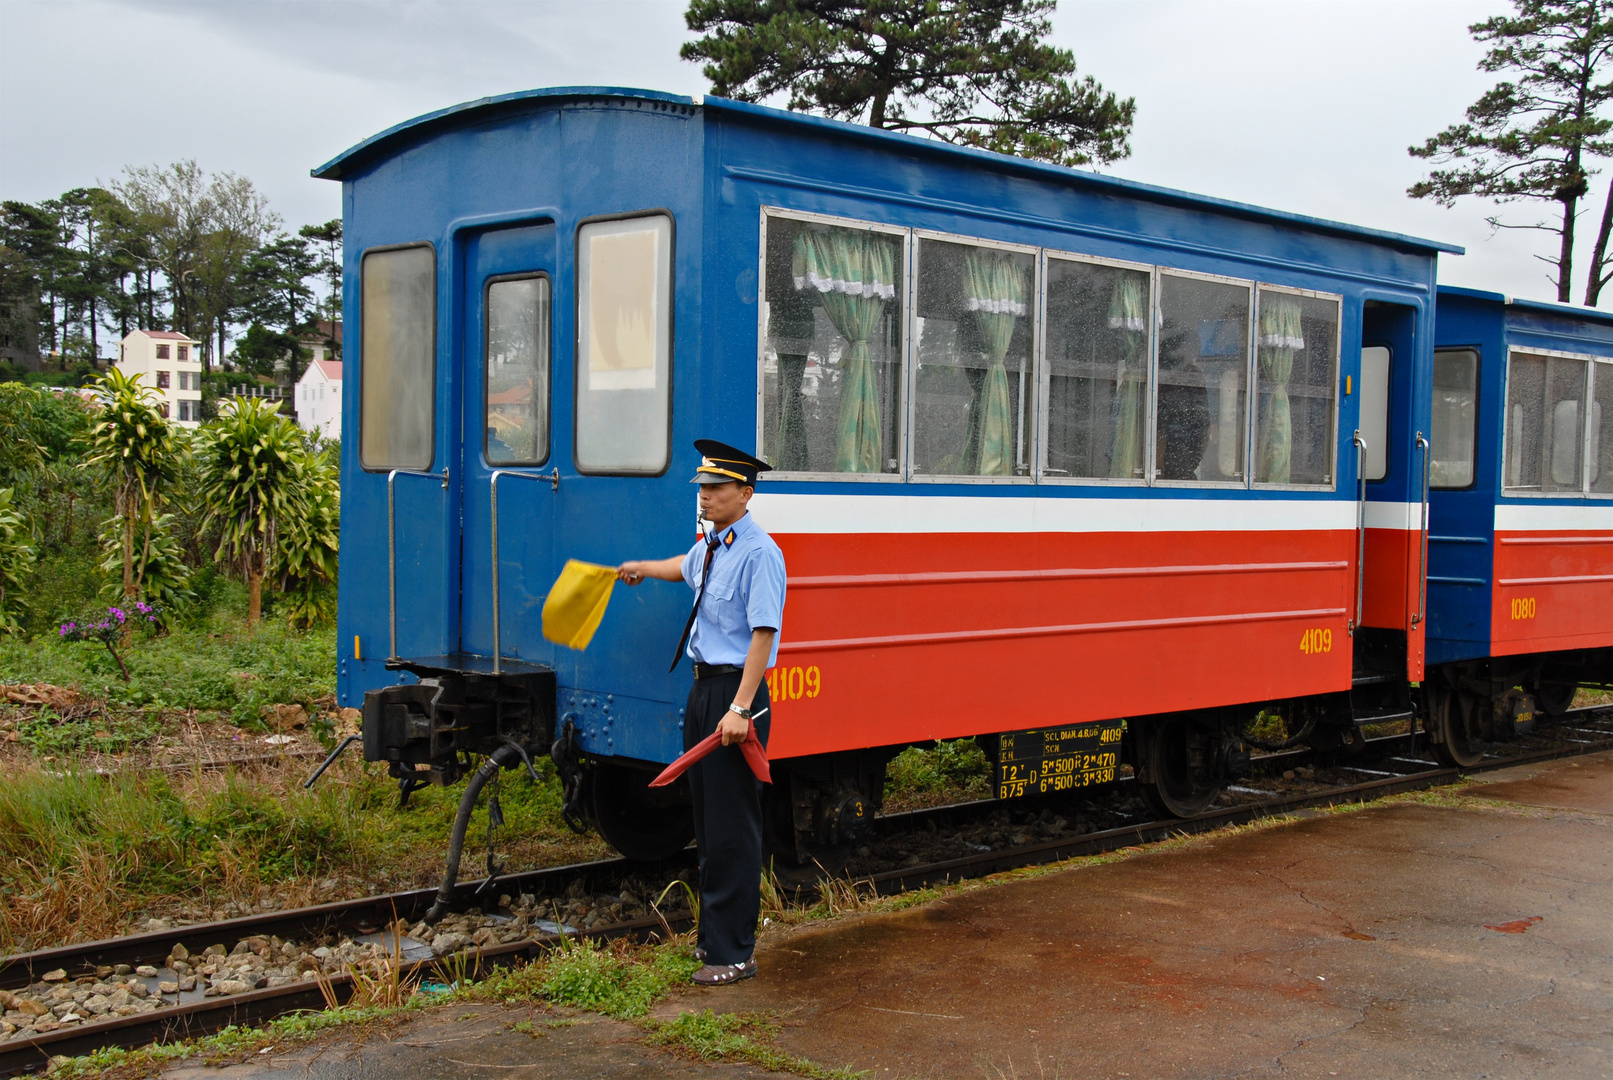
x: 1155, y: 480
x: 1591, y: 360
x: 910, y: 375
x: 576, y: 334
x: 905, y: 234
x: 548, y: 396
x: 1478, y: 410
x: 1254, y: 370
x: 436, y: 287
x: 1044, y: 390
x: 1606, y: 363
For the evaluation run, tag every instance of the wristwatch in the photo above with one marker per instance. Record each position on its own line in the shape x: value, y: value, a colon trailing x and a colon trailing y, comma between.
x: 740, y: 709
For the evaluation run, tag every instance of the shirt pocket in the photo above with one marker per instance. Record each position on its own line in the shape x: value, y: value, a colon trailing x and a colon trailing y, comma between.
x: 727, y: 614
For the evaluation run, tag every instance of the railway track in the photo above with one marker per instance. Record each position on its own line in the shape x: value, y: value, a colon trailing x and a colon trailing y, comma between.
x: 1389, y: 765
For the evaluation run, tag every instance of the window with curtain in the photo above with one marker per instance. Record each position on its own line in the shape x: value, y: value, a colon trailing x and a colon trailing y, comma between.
x: 1598, y: 440
x: 973, y: 389
x: 397, y: 389
x: 1202, y: 380
x: 1453, y: 434
x: 1296, y: 372
x: 831, y: 348
x: 516, y: 371
x: 624, y: 345
x: 1097, y: 370
x: 1545, y: 416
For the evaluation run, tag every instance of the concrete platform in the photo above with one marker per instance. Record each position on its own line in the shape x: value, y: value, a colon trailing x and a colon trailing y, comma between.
x: 1469, y: 936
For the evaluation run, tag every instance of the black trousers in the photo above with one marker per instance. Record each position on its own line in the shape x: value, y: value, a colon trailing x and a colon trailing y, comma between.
x: 727, y: 823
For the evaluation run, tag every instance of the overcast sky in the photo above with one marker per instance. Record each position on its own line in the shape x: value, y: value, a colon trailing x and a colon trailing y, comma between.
x: 1307, y: 107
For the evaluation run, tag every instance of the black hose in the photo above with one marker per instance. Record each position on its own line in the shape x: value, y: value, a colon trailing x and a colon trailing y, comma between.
x: 501, y: 758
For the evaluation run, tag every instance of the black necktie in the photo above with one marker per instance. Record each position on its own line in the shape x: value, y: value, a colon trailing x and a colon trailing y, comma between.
x: 705, y: 576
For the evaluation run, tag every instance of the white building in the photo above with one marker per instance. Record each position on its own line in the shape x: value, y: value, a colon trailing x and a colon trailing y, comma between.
x: 170, y: 364
x: 319, y: 398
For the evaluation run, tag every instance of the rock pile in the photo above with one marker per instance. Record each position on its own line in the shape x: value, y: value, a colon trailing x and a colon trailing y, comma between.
x: 257, y: 962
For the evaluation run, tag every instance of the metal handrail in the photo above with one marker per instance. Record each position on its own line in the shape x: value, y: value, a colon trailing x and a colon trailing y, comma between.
x: 1360, y: 527
x: 552, y: 479
x: 392, y: 546
x: 1422, y: 564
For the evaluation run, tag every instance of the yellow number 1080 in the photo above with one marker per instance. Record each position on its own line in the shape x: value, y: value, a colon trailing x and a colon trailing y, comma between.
x: 1316, y: 641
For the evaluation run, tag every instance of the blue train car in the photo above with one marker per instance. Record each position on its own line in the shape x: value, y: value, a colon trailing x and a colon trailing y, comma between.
x: 1051, y: 449
x: 1520, y: 546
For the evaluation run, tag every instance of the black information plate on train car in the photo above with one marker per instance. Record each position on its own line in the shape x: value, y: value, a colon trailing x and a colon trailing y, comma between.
x: 1058, y: 759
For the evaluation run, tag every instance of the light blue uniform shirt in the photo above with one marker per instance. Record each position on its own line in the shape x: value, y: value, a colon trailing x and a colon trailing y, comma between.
x: 746, y: 593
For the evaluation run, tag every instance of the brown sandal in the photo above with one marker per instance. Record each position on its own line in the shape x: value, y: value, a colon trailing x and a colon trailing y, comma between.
x: 723, y: 974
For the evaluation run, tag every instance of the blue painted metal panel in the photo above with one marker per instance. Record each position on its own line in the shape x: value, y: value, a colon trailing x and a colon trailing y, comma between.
x: 1461, y: 524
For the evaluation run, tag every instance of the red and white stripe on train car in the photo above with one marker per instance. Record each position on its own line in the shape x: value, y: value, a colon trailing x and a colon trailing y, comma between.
x: 937, y: 616
x: 1392, y: 582
x: 1553, y: 578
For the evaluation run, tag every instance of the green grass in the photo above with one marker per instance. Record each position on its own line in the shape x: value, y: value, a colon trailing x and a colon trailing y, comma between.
x: 957, y: 769
x: 747, y: 1037
x: 83, y: 856
x: 621, y: 983
x: 214, y: 664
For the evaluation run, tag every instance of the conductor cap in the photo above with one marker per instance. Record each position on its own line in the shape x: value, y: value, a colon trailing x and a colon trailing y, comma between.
x: 721, y: 464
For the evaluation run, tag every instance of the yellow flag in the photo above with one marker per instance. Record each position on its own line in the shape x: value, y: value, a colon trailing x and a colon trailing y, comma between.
x: 577, y: 602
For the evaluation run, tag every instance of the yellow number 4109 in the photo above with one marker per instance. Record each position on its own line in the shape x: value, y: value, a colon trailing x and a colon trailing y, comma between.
x: 1316, y: 641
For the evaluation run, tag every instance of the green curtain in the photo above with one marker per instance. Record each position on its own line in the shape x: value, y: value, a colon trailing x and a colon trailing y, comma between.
x: 995, y: 289
x: 855, y: 274
x: 1281, y: 335
x: 1128, y: 313
x: 792, y: 455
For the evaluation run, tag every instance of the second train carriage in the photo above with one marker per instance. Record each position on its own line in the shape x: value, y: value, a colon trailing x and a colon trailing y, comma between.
x: 1053, y: 451
x: 1520, y: 547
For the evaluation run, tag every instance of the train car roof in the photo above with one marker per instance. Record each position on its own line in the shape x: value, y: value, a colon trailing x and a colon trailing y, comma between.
x: 1565, y: 310
x: 478, y: 111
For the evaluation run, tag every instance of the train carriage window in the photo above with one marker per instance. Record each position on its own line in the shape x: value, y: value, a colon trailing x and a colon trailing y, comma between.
x: 1598, y: 442
x: 1203, y: 380
x: 1296, y: 365
x: 973, y: 386
x: 1097, y: 370
x: 831, y: 348
x: 1454, y: 431
x: 397, y: 390
x: 624, y: 345
x: 516, y: 371
x: 1544, y: 436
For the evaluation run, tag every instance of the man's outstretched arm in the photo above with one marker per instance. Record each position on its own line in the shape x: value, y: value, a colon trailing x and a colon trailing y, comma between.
x: 635, y: 571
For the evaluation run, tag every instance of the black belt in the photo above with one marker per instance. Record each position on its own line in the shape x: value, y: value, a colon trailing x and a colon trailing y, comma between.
x: 708, y: 671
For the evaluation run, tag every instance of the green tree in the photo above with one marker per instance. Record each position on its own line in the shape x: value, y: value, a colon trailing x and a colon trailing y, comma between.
x: 134, y: 444
x: 16, y: 559
x: 326, y: 241
x: 306, y: 547
x: 278, y: 297
x: 1532, y: 136
x: 250, y: 462
x: 975, y: 72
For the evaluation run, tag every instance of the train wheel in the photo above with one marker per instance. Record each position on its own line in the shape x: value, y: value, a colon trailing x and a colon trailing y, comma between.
x: 1453, y: 725
x: 1555, y: 699
x: 1175, y: 756
x: 644, y: 823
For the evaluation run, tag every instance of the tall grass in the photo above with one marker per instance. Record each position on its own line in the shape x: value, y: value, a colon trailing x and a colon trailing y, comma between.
x: 84, y: 856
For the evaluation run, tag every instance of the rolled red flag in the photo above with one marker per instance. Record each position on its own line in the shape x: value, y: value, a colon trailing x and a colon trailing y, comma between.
x: 755, y: 757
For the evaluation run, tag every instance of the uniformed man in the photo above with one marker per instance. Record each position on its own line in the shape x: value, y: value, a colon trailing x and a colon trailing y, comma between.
x: 737, y: 574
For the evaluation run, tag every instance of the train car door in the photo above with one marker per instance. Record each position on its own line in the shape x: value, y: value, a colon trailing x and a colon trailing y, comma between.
x: 1393, y: 421
x: 508, y: 473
